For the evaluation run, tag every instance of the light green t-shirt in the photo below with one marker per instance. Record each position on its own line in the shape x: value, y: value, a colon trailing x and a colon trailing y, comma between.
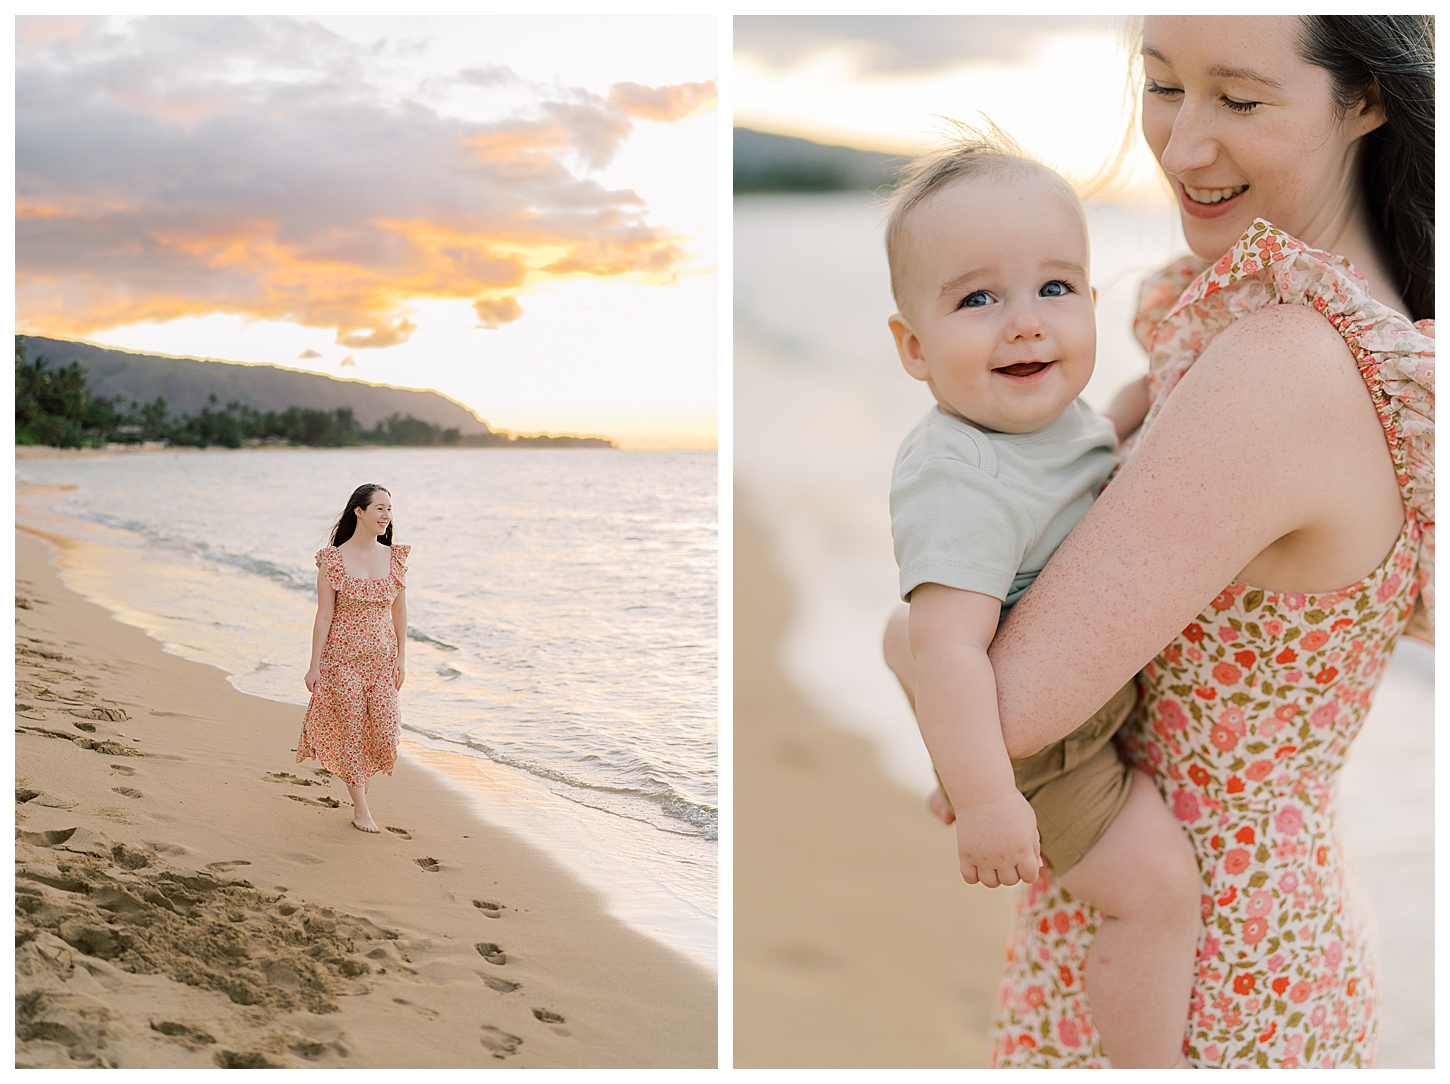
x: 983, y: 511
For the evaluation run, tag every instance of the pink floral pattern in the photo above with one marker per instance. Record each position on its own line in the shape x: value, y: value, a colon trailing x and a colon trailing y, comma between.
x: 352, y: 721
x: 1245, y: 723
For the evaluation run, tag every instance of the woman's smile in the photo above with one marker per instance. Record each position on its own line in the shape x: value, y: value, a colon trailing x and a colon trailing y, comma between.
x: 1214, y: 195
x: 1209, y: 202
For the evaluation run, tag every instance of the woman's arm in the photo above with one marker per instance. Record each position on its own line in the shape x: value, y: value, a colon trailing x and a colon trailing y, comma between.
x: 321, y: 625
x: 1267, y: 461
x: 400, y: 629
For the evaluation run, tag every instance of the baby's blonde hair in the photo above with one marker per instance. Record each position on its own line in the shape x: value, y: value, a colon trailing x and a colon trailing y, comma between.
x: 969, y: 151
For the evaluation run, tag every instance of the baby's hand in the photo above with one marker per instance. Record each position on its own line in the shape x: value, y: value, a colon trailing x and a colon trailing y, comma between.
x: 997, y: 842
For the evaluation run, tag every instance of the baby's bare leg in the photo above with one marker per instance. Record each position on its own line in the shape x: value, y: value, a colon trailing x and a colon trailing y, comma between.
x: 1141, y: 875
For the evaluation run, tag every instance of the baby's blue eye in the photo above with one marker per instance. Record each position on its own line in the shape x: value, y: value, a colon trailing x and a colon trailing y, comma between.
x: 1054, y: 289
x: 975, y: 300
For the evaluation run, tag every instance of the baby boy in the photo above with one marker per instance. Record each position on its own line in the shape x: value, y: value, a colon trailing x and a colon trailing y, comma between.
x: 989, y: 267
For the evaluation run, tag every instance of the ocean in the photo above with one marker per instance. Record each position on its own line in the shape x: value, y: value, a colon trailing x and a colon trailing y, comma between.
x: 562, y: 613
x: 821, y: 405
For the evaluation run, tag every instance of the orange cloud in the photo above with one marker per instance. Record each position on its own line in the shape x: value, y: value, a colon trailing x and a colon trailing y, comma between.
x: 663, y: 103
x: 494, y: 311
x: 149, y: 187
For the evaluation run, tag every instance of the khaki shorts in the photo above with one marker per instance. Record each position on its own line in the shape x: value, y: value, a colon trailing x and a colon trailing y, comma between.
x: 1077, y: 785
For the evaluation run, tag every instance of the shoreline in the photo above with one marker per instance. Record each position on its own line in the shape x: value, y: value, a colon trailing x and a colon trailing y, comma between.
x: 656, y: 893
x: 25, y: 452
x: 172, y: 922
x: 46, y: 451
x: 856, y: 942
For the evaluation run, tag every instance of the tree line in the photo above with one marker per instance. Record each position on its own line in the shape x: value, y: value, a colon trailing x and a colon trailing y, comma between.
x: 56, y: 407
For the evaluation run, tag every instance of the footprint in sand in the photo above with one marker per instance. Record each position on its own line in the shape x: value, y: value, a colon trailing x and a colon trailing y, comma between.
x: 47, y: 839
x: 127, y: 792
x: 228, y: 1059
x: 122, y: 769
x: 312, y: 1050
x: 23, y: 795
x: 89, y: 728
x: 192, y: 1038
x: 501, y: 1043
x: 222, y: 867
x: 429, y: 865
x: 430, y: 1013
x: 503, y: 986
x: 296, y: 781
x: 491, y: 952
x: 553, y: 1019
x: 490, y: 910
x: 330, y: 803
x: 403, y: 832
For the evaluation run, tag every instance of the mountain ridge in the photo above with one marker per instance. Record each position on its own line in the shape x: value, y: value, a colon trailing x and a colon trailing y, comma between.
x: 188, y: 383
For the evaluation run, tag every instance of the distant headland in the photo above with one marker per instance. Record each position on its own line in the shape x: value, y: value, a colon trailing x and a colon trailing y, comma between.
x: 75, y: 394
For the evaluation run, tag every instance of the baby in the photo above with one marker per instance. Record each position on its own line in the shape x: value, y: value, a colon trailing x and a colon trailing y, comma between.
x: 989, y: 267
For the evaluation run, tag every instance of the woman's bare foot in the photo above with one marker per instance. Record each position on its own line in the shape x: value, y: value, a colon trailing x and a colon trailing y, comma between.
x: 362, y: 820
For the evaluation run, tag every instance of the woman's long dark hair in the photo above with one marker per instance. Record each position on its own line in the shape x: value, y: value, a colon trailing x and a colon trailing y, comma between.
x: 346, y: 525
x: 1393, y: 55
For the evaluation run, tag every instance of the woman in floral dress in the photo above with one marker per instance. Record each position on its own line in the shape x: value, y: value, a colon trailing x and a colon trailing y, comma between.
x: 1263, y: 465
x: 358, y: 642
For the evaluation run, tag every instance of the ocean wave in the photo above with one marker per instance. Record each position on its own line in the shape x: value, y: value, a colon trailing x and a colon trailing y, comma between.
x: 423, y: 638
x: 291, y: 578
x: 702, y: 819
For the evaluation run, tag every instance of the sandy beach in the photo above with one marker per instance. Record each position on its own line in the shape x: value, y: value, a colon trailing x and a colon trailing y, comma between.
x: 189, y: 896
x: 856, y: 942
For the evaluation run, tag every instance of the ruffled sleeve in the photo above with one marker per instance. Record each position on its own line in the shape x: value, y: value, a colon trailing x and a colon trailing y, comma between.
x: 400, y: 564
x: 1160, y: 291
x: 1396, y: 358
x: 330, y: 561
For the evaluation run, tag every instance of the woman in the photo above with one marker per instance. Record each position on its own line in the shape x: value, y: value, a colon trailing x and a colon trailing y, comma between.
x: 1263, y: 466
x: 358, y: 644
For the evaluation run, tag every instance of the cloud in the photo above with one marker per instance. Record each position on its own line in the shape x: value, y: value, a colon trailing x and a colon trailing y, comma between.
x: 308, y: 355
x: 348, y: 362
x: 904, y: 44
x: 183, y: 166
x: 663, y: 103
x: 495, y: 311
x: 490, y: 75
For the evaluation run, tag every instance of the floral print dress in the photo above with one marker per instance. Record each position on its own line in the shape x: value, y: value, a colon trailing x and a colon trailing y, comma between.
x: 1245, y: 723
x: 352, y: 721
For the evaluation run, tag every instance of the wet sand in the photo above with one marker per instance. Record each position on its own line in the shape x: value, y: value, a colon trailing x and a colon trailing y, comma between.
x: 856, y: 942
x: 189, y: 896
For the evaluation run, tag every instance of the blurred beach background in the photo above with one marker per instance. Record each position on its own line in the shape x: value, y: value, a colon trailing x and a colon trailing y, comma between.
x: 848, y: 950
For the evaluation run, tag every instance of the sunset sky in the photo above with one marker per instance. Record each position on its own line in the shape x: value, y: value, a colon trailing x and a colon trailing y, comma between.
x: 517, y: 212
x: 880, y: 82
